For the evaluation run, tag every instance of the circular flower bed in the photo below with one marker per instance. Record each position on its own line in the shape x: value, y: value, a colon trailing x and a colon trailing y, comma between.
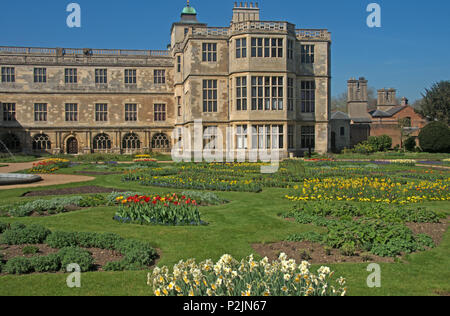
x: 158, y: 210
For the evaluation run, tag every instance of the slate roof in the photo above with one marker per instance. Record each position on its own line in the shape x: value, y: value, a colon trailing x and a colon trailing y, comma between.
x: 338, y: 115
x: 378, y: 113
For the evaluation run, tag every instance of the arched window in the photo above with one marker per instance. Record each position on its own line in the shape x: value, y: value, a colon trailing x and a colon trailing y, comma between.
x: 10, y: 142
x: 160, y: 141
x: 131, y: 141
x: 41, y: 142
x: 101, y: 142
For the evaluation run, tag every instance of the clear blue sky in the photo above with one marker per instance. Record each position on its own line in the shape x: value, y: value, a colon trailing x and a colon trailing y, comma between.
x: 409, y: 52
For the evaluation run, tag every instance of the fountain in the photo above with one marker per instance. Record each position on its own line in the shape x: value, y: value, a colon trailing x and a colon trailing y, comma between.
x: 7, y: 149
x: 15, y: 178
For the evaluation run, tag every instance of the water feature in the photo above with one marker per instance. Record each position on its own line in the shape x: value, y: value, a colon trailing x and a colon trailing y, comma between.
x: 13, y: 178
x: 7, y: 149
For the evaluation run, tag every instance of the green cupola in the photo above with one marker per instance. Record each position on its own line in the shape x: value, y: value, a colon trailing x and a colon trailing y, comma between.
x: 189, y: 10
x: 189, y: 15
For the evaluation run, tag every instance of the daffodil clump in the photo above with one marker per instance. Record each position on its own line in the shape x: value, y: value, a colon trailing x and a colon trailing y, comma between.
x: 403, y: 161
x: 365, y: 189
x: 229, y: 277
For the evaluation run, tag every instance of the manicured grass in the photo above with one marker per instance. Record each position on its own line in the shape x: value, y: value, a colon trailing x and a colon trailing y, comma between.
x: 18, y: 158
x: 249, y: 218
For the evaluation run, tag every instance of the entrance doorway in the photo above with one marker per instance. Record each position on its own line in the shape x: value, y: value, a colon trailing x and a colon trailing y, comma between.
x: 72, y: 146
x: 333, y: 141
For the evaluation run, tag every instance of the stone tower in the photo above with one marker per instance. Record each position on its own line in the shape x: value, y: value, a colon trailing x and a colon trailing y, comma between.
x: 245, y: 12
x: 357, y: 100
x: 386, y: 99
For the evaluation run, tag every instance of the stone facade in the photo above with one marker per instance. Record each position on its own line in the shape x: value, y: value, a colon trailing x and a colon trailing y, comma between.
x: 267, y: 82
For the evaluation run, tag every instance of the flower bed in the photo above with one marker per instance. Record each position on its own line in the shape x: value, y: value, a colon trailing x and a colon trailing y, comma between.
x: 229, y: 277
x: 49, y: 166
x: 197, y: 182
x: 136, y: 254
x: 146, y: 162
x: 379, y: 229
x: 368, y: 189
x: 158, y: 210
x: 53, y: 206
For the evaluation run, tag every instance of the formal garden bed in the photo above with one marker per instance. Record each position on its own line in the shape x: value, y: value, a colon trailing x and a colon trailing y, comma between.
x: 319, y: 211
x: 169, y: 210
x: 364, y: 230
x: 52, y: 206
x: 89, y: 189
x: 33, y: 248
x: 136, y: 207
x: 248, y: 277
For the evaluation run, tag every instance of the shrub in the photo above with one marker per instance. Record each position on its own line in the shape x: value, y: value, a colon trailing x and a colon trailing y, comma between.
x: 348, y: 249
x: 3, y: 227
x: 92, y: 200
x: 107, y: 241
x: 136, y: 252
x: 18, y: 265
x: 435, y: 138
x: 15, y: 226
x: 115, y: 266
x: 364, y: 148
x: 380, y: 143
x: 86, y: 240
x: 19, y: 235
x: 61, y: 240
x: 410, y: 144
x: 30, y: 250
x: 425, y: 241
x: 50, y: 263
x: 76, y: 255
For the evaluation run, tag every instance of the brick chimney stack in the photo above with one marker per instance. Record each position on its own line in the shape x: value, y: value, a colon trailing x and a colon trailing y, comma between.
x: 387, y: 99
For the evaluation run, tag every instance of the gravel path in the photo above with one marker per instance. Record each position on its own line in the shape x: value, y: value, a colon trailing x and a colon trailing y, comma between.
x: 48, y: 179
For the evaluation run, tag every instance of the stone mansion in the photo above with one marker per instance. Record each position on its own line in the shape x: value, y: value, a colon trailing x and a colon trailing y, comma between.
x: 266, y: 81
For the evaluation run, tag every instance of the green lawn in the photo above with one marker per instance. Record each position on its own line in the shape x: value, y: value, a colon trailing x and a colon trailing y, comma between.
x: 248, y: 218
x: 17, y: 158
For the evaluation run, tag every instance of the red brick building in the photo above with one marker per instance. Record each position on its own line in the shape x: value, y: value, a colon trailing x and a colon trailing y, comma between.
x: 385, y: 120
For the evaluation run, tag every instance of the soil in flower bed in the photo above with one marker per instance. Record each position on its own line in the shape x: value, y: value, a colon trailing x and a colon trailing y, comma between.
x: 68, y: 208
x: 69, y: 191
x: 315, y: 253
x: 101, y: 256
x: 435, y: 230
